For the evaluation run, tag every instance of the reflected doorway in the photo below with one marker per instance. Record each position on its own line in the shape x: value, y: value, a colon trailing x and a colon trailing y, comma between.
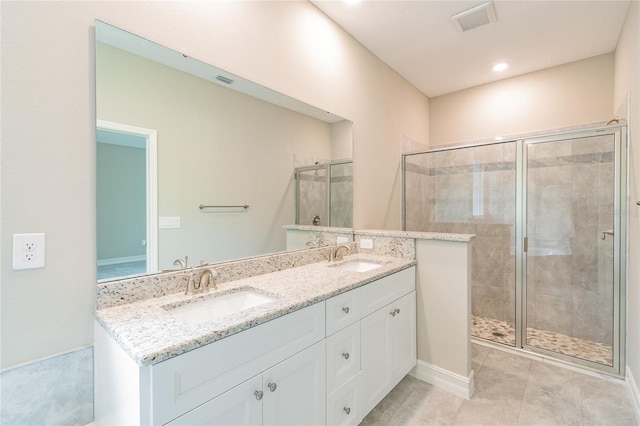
x: 126, y: 200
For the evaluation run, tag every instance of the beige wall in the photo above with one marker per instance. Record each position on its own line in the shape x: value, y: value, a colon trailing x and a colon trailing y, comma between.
x: 576, y: 93
x: 48, y: 131
x: 627, y: 81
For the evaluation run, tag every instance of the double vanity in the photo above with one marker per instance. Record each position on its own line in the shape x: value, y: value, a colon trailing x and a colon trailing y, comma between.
x: 306, y: 342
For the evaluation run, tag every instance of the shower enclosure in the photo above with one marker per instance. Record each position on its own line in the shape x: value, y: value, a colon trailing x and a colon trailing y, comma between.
x: 548, y: 249
x: 324, y: 194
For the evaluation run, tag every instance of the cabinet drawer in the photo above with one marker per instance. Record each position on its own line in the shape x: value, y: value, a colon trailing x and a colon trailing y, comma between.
x: 384, y: 291
x: 343, y: 356
x: 343, y: 310
x: 186, y: 381
x: 343, y: 405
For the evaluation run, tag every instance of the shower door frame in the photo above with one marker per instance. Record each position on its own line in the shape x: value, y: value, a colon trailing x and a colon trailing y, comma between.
x: 620, y: 181
x: 619, y: 131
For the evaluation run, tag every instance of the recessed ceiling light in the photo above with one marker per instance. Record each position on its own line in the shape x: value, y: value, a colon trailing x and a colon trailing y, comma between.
x: 500, y: 67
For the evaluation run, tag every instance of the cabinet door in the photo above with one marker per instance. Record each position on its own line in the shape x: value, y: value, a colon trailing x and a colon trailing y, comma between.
x: 294, y: 390
x: 388, y: 348
x: 241, y: 405
x: 375, y: 357
x: 403, y: 336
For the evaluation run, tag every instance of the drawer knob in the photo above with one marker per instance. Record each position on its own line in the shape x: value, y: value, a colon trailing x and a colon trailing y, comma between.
x: 345, y: 309
x: 345, y: 355
x: 347, y: 410
x: 258, y: 395
x: 272, y: 387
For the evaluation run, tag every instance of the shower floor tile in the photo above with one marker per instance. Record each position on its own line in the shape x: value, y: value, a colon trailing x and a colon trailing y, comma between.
x: 504, y: 332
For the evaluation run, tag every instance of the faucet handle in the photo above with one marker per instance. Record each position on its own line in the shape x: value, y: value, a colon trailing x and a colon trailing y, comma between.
x: 190, y: 282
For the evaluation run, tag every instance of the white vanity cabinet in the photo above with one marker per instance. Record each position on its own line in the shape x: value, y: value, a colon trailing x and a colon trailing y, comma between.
x: 160, y: 393
x: 290, y: 393
x: 329, y: 363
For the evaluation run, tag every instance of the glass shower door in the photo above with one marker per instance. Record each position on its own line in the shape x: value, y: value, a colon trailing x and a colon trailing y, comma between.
x: 570, y: 235
x: 312, y: 196
x: 472, y: 190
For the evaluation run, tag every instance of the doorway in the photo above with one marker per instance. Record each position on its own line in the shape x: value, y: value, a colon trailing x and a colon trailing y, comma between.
x: 126, y: 201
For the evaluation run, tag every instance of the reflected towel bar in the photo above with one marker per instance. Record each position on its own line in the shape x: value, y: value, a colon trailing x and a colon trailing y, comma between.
x: 202, y: 206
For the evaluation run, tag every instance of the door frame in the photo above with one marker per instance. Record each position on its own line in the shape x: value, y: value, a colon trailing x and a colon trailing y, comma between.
x: 151, y: 172
x: 620, y: 203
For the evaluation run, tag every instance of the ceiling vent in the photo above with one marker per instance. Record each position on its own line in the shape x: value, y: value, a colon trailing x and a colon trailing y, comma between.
x: 475, y: 17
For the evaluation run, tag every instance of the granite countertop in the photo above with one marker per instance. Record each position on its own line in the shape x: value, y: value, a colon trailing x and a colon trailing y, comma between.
x: 418, y: 235
x: 150, y: 334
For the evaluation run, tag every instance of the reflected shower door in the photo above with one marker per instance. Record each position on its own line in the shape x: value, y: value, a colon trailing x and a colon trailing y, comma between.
x: 312, y: 196
x: 341, y: 195
x: 569, y: 275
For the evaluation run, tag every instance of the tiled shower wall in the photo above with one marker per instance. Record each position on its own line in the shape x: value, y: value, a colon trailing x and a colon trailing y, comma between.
x: 570, y: 202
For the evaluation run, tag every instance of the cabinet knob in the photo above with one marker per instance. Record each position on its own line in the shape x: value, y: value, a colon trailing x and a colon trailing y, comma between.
x: 346, y: 309
x: 272, y: 387
x: 345, y: 355
x: 258, y: 395
x: 347, y: 410
x: 397, y: 310
x: 393, y: 313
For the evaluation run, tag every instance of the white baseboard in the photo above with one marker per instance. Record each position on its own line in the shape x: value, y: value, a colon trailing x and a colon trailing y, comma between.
x: 119, y: 260
x: 634, y: 392
x: 451, y: 382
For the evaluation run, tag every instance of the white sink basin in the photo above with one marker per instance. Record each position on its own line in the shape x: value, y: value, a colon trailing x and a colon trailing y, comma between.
x: 220, y: 306
x: 358, y: 266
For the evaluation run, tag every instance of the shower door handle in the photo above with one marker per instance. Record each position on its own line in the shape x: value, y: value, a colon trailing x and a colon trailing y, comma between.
x: 605, y: 233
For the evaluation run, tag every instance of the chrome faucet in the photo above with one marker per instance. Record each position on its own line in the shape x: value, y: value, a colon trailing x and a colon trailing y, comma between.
x: 337, y: 254
x: 181, y: 263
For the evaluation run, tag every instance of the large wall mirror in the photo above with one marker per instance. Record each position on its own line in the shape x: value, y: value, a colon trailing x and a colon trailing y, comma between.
x: 194, y: 161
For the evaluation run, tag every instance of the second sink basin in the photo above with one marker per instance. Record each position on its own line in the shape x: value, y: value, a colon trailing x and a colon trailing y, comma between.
x: 358, y: 266
x: 212, y: 308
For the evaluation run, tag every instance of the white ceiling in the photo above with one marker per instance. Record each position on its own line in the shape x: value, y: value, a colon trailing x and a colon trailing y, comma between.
x: 419, y: 41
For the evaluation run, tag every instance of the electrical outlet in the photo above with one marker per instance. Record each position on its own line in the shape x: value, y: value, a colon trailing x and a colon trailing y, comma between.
x: 366, y: 243
x: 28, y: 251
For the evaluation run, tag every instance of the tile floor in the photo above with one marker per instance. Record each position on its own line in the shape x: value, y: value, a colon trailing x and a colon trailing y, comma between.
x: 509, y: 390
x: 122, y: 270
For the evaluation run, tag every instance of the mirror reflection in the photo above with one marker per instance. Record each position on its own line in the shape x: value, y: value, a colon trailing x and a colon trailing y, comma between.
x: 175, y: 134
